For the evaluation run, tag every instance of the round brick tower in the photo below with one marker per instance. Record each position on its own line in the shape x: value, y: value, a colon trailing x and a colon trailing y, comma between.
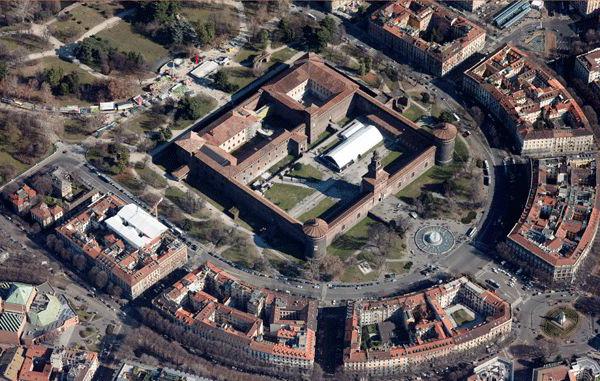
x: 315, y: 230
x: 445, y: 136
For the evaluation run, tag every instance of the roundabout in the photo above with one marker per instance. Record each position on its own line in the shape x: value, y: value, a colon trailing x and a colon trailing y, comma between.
x: 434, y: 239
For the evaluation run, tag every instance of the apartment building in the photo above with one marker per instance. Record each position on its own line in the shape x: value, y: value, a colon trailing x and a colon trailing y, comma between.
x: 126, y: 242
x: 433, y: 38
x: 559, y: 223
x: 257, y: 325
x: 530, y: 102
x: 390, y: 335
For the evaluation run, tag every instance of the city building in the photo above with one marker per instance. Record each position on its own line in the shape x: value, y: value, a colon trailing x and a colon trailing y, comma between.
x: 40, y: 363
x: 131, y: 370
x: 285, y: 117
x: 554, y: 372
x: 530, y: 102
x: 395, y: 334
x: 581, y: 369
x: 61, y: 183
x: 558, y: 225
x: 587, y: 68
x: 587, y: 7
x: 130, y: 245
x: 31, y: 314
x: 22, y: 199
x: 254, y: 325
x: 45, y: 215
x: 433, y: 38
x: 11, y: 361
x: 494, y: 369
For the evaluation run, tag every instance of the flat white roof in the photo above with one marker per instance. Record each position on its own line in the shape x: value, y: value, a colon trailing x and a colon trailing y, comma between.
x: 107, y: 106
x: 204, y: 69
x: 135, y: 225
x: 357, y: 144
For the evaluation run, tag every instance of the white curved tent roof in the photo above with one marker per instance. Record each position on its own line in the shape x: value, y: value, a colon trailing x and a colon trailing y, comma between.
x: 357, y: 144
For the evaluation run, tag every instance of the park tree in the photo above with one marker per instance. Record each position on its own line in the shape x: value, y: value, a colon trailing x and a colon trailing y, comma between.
x: 42, y: 184
x: 221, y: 82
x: 447, y: 117
x: 162, y: 11
x: 101, y: 279
x: 53, y: 75
x: 288, y: 33
x: 7, y: 172
x: 79, y: 262
x: 263, y: 38
x: 191, y: 107
x: 120, y: 88
x: 206, y: 33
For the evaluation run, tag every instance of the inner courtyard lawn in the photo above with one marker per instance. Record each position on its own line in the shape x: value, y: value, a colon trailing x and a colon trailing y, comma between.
x: 287, y: 196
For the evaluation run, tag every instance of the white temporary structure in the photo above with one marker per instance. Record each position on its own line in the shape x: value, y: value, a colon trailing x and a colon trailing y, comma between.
x: 204, y: 69
x: 357, y: 144
x: 135, y: 225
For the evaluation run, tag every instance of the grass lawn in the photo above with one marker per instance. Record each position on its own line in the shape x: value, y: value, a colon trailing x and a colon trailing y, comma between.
x: 143, y: 121
x: 283, y: 54
x: 391, y: 156
x: 552, y: 329
x: 461, y: 317
x: 238, y: 256
x: 241, y: 76
x: 207, y: 12
x: 245, y: 53
x: 397, y: 267
x: 354, y: 239
x: 45, y: 63
x: 287, y: 196
x: 321, y: 208
x: 436, y: 175
x: 413, y: 113
x: 129, y: 181
x: 306, y: 171
x: 28, y: 42
x: 208, y: 104
x: 152, y: 178
x: 124, y: 38
x: 80, y: 20
x: 75, y: 130
x: 6, y: 158
x: 354, y: 275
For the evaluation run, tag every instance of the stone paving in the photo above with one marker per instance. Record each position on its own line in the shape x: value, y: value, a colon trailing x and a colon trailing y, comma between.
x: 434, y: 239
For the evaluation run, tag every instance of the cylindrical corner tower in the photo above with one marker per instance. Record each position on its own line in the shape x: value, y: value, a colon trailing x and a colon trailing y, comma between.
x: 445, y: 136
x: 315, y: 230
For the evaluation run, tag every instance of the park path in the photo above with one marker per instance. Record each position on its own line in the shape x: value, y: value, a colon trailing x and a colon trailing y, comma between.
x: 41, y: 30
